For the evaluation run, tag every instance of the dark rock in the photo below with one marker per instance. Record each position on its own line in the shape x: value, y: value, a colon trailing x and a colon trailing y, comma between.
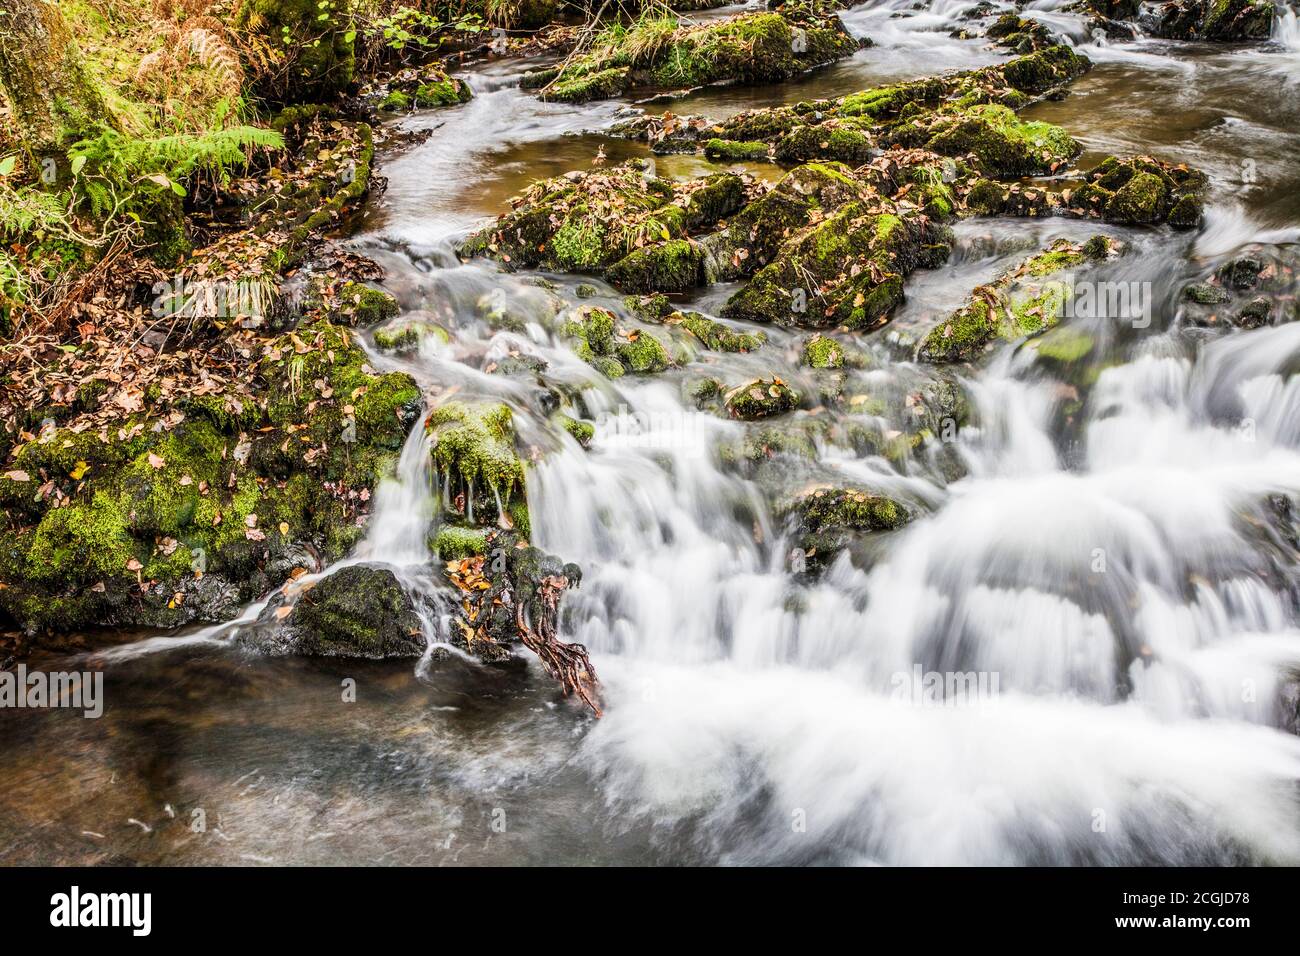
x: 358, y: 611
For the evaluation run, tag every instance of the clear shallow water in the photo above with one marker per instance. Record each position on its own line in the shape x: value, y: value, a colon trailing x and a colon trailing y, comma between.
x: 750, y: 718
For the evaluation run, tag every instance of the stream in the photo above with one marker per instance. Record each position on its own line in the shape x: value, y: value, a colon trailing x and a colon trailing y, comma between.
x: 1110, y: 550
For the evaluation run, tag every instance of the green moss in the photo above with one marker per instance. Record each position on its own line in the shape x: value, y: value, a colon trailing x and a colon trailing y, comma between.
x: 455, y: 543
x: 475, y: 444
x: 732, y: 151
x: 442, y: 91
x: 366, y: 306
x: 825, y: 141
x: 406, y: 336
x: 1064, y: 345
x: 396, y: 102
x: 1003, y: 144
x: 1139, y: 200
x: 886, y: 101
x: 850, y: 509
x: 714, y: 335
x: 823, y: 352
x: 963, y: 336
x: 986, y: 198
x: 761, y: 398
x: 599, y: 85
x: 643, y: 354
x: 671, y: 267
x: 712, y: 200
x: 582, y: 431
x: 82, y: 543
x: 596, y: 343
x: 579, y: 244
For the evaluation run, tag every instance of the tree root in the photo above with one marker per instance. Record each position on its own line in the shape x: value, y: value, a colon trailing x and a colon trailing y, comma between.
x: 567, y: 663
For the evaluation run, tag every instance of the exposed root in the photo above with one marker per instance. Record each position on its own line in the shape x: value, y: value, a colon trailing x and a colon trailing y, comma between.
x: 567, y: 663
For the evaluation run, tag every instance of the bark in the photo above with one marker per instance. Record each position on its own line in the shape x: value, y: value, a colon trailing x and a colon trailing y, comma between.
x: 53, y: 97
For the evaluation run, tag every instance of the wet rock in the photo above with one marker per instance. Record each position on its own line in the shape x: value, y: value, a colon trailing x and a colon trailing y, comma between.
x: 761, y: 398
x: 1000, y: 142
x: 675, y: 266
x: 1019, y: 35
x: 622, y: 222
x: 1216, y: 20
x: 1207, y: 293
x: 476, y: 463
x: 614, y: 351
x: 1241, y: 274
x: 715, y: 335
x: 226, y: 491
x: 1022, y: 301
x: 839, y: 141
x: 827, y: 520
x: 754, y: 234
x: 820, y: 351
x: 1255, y: 314
x: 359, y: 611
x: 752, y: 48
x: 428, y: 87
x: 846, y: 270
x: 1140, y: 190
x: 405, y: 335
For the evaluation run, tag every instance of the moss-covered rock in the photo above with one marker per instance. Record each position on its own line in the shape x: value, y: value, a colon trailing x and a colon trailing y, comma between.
x: 178, y: 516
x: 1022, y: 301
x: 582, y: 431
x: 824, y: 521
x: 454, y: 542
x: 475, y: 461
x: 733, y: 151
x: 672, y: 267
x: 761, y: 398
x: 822, y: 351
x: 405, y: 335
x: 584, y: 221
x: 715, y: 335
x: 835, y: 140
x: 845, y: 270
x: 755, y: 234
x: 599, y: 341
x: 1222, y: 20
x: 1002, y: 143
x: 1140, y: 190
x: 360, y: 611
x: 364, y: 305
x: 766, y: 47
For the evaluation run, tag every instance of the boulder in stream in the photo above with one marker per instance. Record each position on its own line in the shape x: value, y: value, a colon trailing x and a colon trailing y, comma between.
x: 358, y: 611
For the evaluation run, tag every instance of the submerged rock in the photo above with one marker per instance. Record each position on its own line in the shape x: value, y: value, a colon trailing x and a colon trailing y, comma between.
x: 827, y: 520
x: 1022, y: 301
x: 358, y: 611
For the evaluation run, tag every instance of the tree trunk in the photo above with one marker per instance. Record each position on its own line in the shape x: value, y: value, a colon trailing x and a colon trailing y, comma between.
x: 54, y: 98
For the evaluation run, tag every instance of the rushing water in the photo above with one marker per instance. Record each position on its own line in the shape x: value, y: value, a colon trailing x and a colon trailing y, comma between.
x: 1116, y: 547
